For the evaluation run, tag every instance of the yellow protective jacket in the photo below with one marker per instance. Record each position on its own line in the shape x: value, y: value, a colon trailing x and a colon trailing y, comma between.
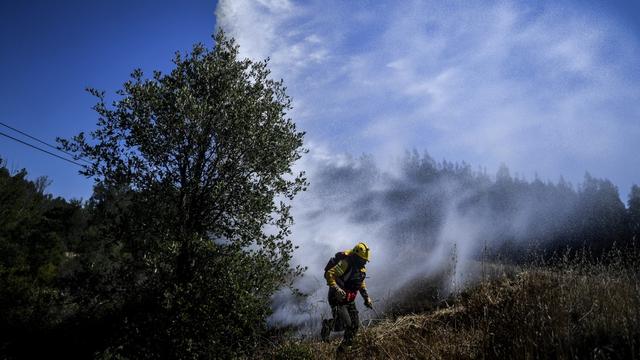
x: 340, y: 274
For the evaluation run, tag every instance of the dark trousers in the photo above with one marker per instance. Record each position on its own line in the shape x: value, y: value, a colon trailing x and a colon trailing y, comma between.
x: 345, y: 317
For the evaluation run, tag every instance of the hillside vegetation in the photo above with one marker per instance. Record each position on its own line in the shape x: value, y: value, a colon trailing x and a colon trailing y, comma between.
x: 573, y: 308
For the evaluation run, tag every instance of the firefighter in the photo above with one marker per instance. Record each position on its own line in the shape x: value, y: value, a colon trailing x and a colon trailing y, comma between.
x: 345, y: 274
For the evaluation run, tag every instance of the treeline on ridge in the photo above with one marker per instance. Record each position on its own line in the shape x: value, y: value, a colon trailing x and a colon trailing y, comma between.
x: 509, y: 215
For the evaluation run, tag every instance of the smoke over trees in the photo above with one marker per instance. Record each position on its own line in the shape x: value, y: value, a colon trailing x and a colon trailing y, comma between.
x: 422, y: 216
x: 413, y: 203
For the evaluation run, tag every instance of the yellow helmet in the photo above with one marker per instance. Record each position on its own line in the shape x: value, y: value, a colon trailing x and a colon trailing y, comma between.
x: 362, y: 250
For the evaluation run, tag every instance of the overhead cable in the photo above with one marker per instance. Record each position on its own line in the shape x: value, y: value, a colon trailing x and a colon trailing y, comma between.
x: 41, y: 149
x: 40, y: 141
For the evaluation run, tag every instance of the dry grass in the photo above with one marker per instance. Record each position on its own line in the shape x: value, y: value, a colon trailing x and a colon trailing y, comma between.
x: 570, y: 310
x: 432, y: 292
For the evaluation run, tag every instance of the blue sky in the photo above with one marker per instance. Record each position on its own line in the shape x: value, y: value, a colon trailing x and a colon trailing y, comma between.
x: 53, y: 50
x: 551, y: 88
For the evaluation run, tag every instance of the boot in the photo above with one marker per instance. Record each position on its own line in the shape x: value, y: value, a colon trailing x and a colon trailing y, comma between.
x: 343, y: 350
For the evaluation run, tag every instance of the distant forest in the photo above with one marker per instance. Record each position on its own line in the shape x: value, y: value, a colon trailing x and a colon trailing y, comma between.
x: 511, y: 216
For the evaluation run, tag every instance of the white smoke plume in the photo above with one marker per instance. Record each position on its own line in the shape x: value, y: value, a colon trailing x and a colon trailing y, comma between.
x: 544, y: 87
x: 414, y: 227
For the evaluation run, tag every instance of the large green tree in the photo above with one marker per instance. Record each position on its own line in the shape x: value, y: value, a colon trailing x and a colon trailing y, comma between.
x: 199, y: 161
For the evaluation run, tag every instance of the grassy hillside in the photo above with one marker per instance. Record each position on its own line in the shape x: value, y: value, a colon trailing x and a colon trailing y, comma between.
x: 572, y: 309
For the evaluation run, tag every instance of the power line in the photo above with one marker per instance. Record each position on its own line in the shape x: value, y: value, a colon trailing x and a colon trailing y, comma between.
x: 41, y: 149
x: 42, y: 142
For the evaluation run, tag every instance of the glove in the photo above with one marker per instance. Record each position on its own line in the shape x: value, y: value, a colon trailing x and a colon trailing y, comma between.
x: 368, y: 303
x: 340, y: 294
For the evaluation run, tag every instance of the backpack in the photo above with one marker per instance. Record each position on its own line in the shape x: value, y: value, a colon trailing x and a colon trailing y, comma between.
x: 335, y: 260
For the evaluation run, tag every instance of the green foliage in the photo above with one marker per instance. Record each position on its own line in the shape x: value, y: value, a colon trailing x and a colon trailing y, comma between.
x: 191, y: 169
x: 34, y: 232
